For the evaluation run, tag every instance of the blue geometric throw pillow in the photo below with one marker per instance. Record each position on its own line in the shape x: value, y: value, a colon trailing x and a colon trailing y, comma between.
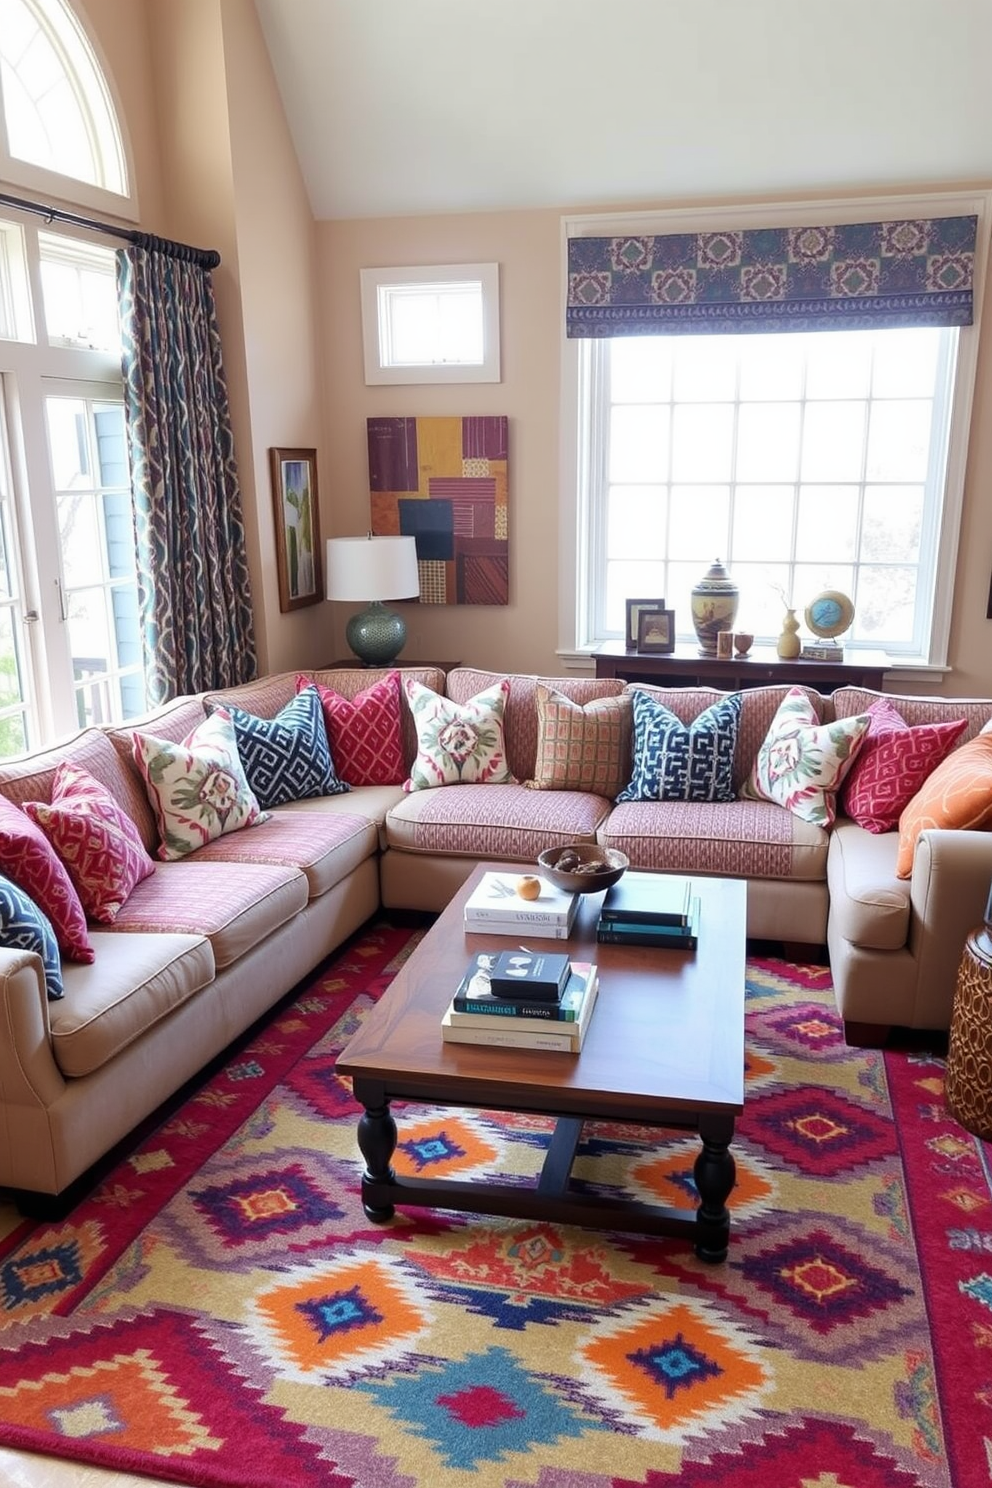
x: 674, y: 761
x: 287, y: 758
x: 23, y: 927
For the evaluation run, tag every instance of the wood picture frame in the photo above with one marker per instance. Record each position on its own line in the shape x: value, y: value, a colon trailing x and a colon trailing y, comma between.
x: 297, y: 520
x: 656, y: 631
x: 634, y: 607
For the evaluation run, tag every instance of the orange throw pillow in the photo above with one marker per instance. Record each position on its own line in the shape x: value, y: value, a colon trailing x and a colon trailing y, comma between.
x: 957, y: 794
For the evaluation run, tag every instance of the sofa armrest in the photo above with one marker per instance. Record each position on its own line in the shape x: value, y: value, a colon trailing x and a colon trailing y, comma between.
x: 949, y: 889
x: 29, y: 1075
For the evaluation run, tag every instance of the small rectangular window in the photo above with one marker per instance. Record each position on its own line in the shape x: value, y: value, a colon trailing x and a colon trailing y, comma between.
x: 436, y: 323
x: 80, y: 293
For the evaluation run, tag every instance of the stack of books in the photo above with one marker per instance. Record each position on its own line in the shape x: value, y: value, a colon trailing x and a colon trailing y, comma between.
x: 495, y: 908
x: 478, y: 1014
x: 650, y: 909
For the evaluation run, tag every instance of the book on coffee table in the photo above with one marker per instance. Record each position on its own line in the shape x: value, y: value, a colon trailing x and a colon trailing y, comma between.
x: 650, y: 899
x: 495, y: 908
x: 662, y: 937
x: 523, y: 1033
x: 475, y: 1002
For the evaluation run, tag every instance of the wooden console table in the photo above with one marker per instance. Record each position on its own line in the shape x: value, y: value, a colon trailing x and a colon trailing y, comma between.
x: 760, y: 668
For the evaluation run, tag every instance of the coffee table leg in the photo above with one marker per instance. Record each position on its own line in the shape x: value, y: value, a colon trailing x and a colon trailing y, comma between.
x: 377, y: 1141
x: 715, y: 1172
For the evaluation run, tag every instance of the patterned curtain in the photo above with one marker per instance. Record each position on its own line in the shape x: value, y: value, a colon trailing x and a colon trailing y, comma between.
x: 849, y: 277
x: 193, y: 583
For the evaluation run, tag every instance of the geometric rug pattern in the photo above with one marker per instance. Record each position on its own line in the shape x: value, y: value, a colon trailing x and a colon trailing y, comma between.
x: 220, y: 1311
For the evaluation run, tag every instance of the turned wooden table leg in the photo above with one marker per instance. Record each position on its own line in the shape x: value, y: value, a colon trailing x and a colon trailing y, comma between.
x: 715, y: 1173
x: 377, y: 1140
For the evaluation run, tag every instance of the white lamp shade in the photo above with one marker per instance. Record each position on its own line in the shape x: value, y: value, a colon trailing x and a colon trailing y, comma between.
x: 372, y: 568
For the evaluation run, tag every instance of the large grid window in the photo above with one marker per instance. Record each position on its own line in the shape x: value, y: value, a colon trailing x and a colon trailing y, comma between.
x: 804, y: 461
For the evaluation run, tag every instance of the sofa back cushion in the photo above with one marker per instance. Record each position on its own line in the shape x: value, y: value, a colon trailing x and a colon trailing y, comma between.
x: 914, y: 710
x: 348, y: 682
x: 31, y: 778
x: 520, y: 714
x: 173, y: 721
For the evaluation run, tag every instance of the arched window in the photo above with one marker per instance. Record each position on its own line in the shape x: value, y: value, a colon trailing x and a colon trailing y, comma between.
x: 56, y: 111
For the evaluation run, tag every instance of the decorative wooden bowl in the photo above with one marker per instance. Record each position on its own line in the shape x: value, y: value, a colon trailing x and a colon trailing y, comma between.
x: 591, y: 881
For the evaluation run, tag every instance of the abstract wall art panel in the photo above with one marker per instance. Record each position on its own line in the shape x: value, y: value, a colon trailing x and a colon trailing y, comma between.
x: 443, y: 481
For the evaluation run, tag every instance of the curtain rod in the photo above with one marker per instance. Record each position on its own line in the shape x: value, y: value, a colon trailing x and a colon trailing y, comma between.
x: 205, y: 258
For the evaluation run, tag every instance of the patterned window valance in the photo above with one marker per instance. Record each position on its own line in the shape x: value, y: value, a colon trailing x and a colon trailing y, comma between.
x: 850, y: 277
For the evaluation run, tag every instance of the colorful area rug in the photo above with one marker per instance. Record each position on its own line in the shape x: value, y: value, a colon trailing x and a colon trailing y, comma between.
x: 220, y: 1311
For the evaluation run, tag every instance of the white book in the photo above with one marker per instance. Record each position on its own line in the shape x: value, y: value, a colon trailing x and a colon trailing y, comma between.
x: 494, y: 901
x: 516, y: 928
x: 565, y: 1038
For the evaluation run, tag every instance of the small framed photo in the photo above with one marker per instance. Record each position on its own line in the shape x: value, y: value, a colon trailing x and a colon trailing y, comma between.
x: 656, y: 631
x: 634, y: 608
x: 297, y: 514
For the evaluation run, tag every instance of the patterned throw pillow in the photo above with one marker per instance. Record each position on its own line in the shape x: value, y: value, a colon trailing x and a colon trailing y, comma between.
x: 458, y: 743
x: 197, y: 788
x: 287, y: 758
x: 894, y: 761
x: 23, y: 927
x: 100, y: 846
x: 27, y: 857
x: 675, y: 761
x: 957, y: 794
x: 802, y: 763
x: 582, y: 747
x: 365, y: 731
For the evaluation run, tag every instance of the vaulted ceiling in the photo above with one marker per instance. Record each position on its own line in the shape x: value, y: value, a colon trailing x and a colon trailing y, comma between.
x: 401, y: 107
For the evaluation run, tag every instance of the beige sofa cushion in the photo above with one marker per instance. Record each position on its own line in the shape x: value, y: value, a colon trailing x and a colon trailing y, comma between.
x: 744, y: 839
x: 235, y: 905
x: 976, y: 711
x: 323, y: 846
x: 135, y: 981
x: 30, y: 778
x: 493, y: 821
x: 869, y: 906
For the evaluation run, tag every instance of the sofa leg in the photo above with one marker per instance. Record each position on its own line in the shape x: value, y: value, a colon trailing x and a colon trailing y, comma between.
x: 866, y: 1035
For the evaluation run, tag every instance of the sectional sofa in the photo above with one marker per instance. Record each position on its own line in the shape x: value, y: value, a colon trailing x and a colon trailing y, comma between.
x: 205, y: 945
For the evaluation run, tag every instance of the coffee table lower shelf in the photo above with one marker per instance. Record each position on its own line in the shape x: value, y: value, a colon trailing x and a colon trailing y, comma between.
x: 552, y: 1198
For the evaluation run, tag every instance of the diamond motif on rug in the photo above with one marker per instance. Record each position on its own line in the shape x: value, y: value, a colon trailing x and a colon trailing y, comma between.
x: 322, y: 1322
x: 800, y: 1026
x: 131, y: 1382
x: 668, y: 1179
x: 447, y: 1145
x: 676, y: 1367
x: 56, y: 1262
x: 478, y: 1410
x: 817, y: 1130
x: 319, y: 1090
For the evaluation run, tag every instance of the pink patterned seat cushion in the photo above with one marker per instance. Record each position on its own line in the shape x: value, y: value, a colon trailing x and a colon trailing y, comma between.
x: 894, y: 761
x: 29, y: 859
x: 365, y: 732
x: 739, y: 839
x: 325, y: 847
x: 98, y: 844
x: 493, y: 821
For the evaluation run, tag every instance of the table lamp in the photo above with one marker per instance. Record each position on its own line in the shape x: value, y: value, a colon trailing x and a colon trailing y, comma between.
x: 373, y: 569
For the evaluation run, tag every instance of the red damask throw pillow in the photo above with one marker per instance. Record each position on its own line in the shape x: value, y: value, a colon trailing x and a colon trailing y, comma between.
x: 99, y: 845
x: 365, y: 731
x: 895, y: 759
x: 29, y: 860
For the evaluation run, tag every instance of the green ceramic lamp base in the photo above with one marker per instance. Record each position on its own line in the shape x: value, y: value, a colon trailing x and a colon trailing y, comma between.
x: 376, y: 635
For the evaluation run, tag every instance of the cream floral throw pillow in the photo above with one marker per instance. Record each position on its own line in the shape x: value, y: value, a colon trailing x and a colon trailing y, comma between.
x: 458, y: 743
x: 802, y: 762
x: 197, y: 788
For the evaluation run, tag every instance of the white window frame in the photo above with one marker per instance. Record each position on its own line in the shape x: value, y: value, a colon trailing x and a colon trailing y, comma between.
x: 74, y: 41
x: 581, y: 537
x: 375, y: 287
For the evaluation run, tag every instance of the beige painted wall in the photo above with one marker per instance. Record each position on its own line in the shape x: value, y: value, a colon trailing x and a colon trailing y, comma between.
x: 523, y: 636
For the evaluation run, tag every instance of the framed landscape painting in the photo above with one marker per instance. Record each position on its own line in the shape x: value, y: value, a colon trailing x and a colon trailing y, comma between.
x: 297, y: 514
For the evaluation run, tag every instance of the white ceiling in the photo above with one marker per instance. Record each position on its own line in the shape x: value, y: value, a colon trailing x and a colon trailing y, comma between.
x: 419, y: 106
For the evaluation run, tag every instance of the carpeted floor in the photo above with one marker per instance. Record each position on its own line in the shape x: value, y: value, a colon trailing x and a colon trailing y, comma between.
x: 220, y: 1311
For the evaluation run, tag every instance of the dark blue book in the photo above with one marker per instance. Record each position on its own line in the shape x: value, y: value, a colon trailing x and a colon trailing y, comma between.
x: 661, y: 899
x: 662, y: 937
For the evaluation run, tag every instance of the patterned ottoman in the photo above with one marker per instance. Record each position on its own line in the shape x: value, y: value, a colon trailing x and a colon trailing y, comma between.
x: 968, y: 1079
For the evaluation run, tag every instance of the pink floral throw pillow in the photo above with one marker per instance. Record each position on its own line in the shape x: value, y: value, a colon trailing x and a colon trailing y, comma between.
x: 364, y: 732
x: 197, y: 788
x: 458, y: 743
x: 99, y: 845
x: 31, y: 862
x: 894, y: 761
x: 802, y: 762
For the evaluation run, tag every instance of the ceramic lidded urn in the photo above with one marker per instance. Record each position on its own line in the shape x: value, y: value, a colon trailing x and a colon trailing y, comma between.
x: 714, y: 606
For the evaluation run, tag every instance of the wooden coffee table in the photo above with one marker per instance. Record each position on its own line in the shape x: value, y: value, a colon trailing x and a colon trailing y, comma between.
x: 665, y: 1048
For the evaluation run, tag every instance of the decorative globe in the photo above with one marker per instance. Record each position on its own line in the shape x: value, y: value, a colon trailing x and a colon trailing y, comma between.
x: 829, y: 614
